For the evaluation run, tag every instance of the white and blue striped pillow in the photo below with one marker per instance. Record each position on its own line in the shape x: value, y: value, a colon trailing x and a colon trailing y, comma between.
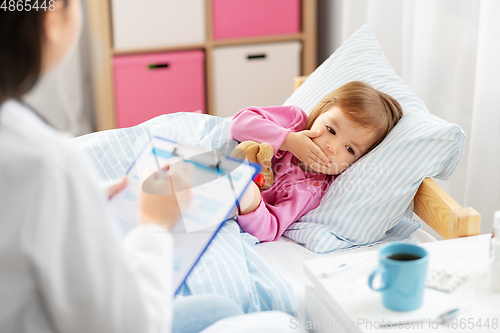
x: 372, y: 200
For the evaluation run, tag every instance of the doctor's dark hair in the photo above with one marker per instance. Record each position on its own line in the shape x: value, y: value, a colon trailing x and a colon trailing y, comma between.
x: 21, y: 38
x: 364, y: 105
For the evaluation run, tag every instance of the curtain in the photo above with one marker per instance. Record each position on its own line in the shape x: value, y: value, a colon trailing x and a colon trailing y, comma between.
x: 448, y: 52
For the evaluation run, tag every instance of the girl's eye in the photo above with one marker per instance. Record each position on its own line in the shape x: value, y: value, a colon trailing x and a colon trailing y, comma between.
x: 349, y: 149
x: 331, y: 130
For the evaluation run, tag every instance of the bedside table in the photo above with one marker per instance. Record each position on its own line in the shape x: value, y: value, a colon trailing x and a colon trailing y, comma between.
x: 338, y: 298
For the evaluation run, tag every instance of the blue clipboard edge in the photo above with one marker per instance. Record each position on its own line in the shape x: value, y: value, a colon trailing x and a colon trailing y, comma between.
x: 257, y: 167
x: 199, y: 257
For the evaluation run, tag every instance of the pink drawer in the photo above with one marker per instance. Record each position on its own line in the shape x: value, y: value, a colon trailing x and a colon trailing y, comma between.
x: 149, y: 85
x: 240, y: 18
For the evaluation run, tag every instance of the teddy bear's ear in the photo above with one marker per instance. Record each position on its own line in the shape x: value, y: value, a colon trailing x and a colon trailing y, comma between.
x: 240, y: 151
x: 246, y: 149
x: 239, y: 154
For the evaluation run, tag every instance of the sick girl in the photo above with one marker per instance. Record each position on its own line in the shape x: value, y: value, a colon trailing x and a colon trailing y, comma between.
x: 309, y: 151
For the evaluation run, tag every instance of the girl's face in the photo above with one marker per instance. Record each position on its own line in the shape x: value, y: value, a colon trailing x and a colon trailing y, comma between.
x: 62, y: 28
x: 342, y: 140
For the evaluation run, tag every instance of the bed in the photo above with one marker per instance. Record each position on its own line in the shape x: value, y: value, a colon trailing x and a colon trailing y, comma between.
x: 438, y: 210
x: 268, y: 276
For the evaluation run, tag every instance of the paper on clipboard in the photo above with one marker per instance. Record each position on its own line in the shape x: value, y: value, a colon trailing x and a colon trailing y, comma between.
x: 218, y: 184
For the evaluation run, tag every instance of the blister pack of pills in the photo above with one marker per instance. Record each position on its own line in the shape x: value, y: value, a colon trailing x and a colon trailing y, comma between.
x: 443, y: 280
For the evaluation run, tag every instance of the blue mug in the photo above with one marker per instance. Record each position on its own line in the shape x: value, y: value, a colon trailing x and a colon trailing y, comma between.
x: 403, y: 268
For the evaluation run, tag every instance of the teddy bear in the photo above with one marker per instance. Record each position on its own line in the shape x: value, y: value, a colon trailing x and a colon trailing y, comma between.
x: 259, y: 153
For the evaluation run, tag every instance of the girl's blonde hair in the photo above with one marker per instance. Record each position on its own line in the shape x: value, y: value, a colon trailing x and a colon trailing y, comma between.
x: 361, y: 103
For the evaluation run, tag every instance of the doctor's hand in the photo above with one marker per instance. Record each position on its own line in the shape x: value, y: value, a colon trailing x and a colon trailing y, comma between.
x: 115, y: 188
x: 164, y: 192
x: 300, y: 144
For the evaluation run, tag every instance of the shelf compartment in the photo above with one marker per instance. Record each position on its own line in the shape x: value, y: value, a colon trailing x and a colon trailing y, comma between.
x: 244, y: 18
x: 259, y: 75
x: 149, y: 85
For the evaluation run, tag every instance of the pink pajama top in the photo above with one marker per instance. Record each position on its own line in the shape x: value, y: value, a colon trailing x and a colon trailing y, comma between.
x: 295, y: 191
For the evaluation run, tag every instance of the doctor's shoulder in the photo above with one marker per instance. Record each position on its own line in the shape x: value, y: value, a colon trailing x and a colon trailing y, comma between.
x: 33, y: 148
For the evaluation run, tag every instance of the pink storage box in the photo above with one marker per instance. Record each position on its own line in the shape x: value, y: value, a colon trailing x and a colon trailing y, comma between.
x: 149, y: 85
x: 243, y: 18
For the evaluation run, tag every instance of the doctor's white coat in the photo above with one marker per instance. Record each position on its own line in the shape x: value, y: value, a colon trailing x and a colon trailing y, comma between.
x: 63, y: 267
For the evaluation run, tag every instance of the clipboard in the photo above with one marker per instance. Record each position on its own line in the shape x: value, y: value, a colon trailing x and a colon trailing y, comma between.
x: 218, y: 184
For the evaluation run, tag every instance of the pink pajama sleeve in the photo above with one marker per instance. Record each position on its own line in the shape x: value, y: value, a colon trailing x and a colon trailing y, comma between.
x: 268, y: 124
x: 268, y: 222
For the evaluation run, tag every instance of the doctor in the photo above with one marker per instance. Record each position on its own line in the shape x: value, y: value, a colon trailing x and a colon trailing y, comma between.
x: 62, y: 266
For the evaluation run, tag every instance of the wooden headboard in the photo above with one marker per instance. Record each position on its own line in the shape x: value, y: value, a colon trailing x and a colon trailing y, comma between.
x: 438, y: 209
